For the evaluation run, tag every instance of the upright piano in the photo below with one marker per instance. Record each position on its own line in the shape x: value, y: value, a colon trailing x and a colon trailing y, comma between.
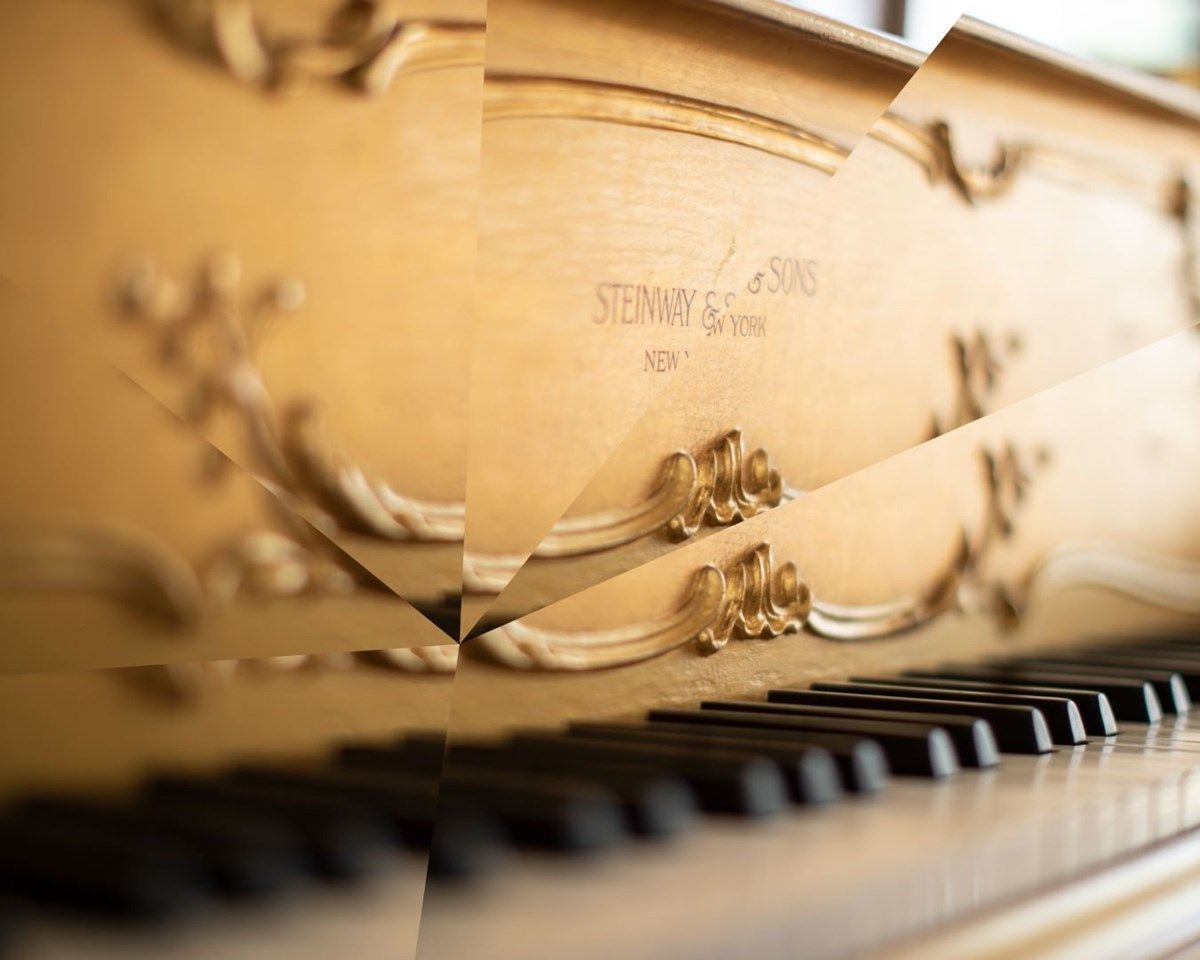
x: 797, y: 433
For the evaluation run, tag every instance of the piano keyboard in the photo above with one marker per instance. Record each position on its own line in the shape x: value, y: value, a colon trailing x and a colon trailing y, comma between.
x: 1070, y: 758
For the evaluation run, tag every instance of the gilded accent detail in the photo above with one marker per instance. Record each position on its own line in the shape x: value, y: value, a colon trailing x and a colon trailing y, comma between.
x: 751, y: 599
x: 720, y: 485
x: 754, y: 599
x: 366, y: 45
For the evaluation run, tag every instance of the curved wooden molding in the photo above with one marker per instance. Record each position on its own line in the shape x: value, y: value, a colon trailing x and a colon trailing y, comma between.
x: 752, y: 600
x: 188, y: 683
x: 722, y: 484
x: 336, y: 484
x: 718, y: 486
x: 931, y: 145
x: 749, y: 600
x: 288, y: 451
x: 1156, y: 581
x: 367, y: 44
x: 122, y: 566
x: 519, y: 96
x: 149, y: 577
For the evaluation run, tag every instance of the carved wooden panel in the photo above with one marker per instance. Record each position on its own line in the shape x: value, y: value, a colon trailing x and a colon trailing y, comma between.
x: 1069, y: 513
x: 995, y: 233
x: 626, y: 152
x: 326, y: 151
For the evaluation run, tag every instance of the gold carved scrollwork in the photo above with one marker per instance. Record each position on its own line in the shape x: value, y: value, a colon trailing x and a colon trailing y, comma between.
x: 366, y: 44
x: 753, y: 599
x: 749, y: 600
x: 718, y: 486
x: 128, y: 568
x: 722, y: 484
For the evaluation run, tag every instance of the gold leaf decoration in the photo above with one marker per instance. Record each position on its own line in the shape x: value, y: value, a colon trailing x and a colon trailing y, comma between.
x: 749, y: 600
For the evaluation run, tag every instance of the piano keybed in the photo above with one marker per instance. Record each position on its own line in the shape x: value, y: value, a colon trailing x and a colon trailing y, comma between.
x: 1077, y: 756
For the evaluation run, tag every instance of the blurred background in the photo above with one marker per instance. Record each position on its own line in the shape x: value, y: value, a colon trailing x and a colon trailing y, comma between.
x: 1155, y: 36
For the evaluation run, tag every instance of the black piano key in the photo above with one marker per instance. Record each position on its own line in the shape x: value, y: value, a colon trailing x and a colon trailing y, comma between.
x: 80, y: 866
x: 1143, y: 646
x: 1094, y: 707
x: 1179, y: 641
x: 465, y: 840
x: 974, y: 743
x: 665, y: 816
x: 657, y: 803
x: 861, y: 762
x: 810, y: 771
x: 1131, y: 700
x: 912, y: 749
x: 343, y: 839
x: 723, y: 782
x: 241, y: 856
x: 551, y: 813
x: 416, y: 760
x: 1015, y: 729
x: 408, y: 803
x: 1061, y: 715
x: 1187, y: 665
x: 565, y: 815
x: 1168, y: 685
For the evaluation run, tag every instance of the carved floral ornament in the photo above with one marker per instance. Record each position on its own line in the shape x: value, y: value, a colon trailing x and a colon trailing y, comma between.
x: 365, y: 45
x: 756, y: 598
x: 205, y: 329
x: 722, y: 484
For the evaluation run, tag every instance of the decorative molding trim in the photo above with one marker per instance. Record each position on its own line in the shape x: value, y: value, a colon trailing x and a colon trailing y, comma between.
x: 1156, y: 581
x: 288, y: 450
x: 751, y: 599
x: 126, y: 567
x: 932, y: 147
x: 722, y: 484
x: 718, y: 486
x: 931, y: 144
x: 188, y: 683
x: 200, y: 332
x: 518, y: 96
x: 155, y: 580
x: 978, y: 364
x: 366, y: 45
x: 333, y: 482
